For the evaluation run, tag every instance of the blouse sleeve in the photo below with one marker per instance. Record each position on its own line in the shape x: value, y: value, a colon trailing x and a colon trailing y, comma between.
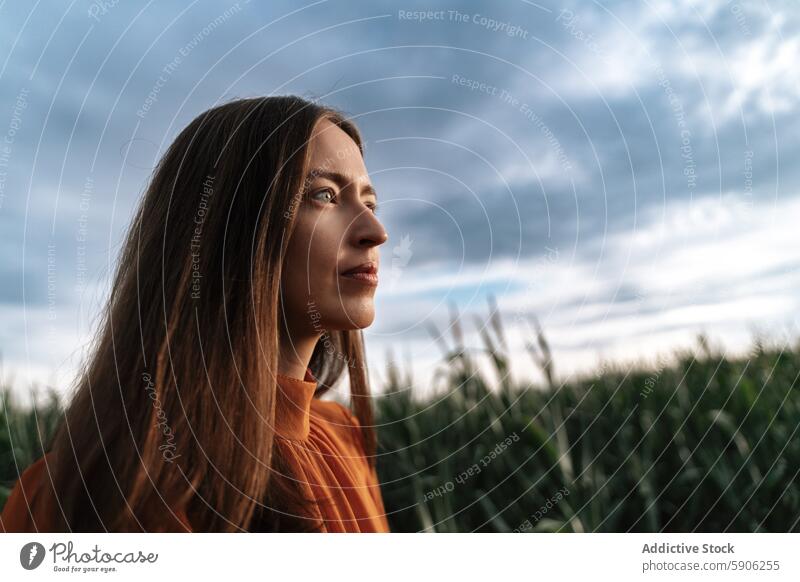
x: 24, y: 511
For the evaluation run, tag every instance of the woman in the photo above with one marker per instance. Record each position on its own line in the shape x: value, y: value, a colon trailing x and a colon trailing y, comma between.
x: 243, y: 285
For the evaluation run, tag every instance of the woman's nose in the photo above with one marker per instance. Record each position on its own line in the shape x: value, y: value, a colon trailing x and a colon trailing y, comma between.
x: 370, y: 231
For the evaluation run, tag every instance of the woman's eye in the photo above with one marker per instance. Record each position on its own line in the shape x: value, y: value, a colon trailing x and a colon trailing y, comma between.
x: 327, y: 195
x: 373, y: 207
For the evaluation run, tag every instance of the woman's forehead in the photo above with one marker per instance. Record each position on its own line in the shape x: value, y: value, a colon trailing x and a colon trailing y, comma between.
x: 331, y: 148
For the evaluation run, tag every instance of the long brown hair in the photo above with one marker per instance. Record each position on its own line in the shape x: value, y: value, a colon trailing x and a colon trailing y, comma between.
x: 175, y: 406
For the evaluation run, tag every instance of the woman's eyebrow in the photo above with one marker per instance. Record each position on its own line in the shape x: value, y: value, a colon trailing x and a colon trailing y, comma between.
x: 339, y: 178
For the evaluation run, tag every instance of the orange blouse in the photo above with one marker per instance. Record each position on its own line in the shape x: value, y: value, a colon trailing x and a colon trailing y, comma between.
x: 321, y: 439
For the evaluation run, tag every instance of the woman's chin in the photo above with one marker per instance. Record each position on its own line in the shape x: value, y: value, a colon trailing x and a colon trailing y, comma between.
x: 355, y: 317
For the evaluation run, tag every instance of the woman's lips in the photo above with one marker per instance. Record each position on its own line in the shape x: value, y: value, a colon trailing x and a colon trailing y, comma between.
x: 365, y: 273
x: 362, y: 277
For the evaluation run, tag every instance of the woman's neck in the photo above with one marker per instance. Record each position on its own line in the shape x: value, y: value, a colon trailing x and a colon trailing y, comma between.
x: 295, y: 354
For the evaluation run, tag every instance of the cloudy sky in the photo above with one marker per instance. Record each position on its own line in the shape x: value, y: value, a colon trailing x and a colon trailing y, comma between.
x: 626, y: 172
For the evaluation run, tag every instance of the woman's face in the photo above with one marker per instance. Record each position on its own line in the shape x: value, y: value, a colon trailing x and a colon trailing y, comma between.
x: 335, y: 231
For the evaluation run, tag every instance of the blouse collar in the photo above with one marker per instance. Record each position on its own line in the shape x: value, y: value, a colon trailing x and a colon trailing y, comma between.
x: 293, y: 405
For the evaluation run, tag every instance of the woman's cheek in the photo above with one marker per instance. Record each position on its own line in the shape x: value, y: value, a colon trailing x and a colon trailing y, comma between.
x: 325, y: 247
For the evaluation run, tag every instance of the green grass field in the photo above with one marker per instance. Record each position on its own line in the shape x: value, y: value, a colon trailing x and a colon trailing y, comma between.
x: 23, y: 430
x: 706, y: 444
